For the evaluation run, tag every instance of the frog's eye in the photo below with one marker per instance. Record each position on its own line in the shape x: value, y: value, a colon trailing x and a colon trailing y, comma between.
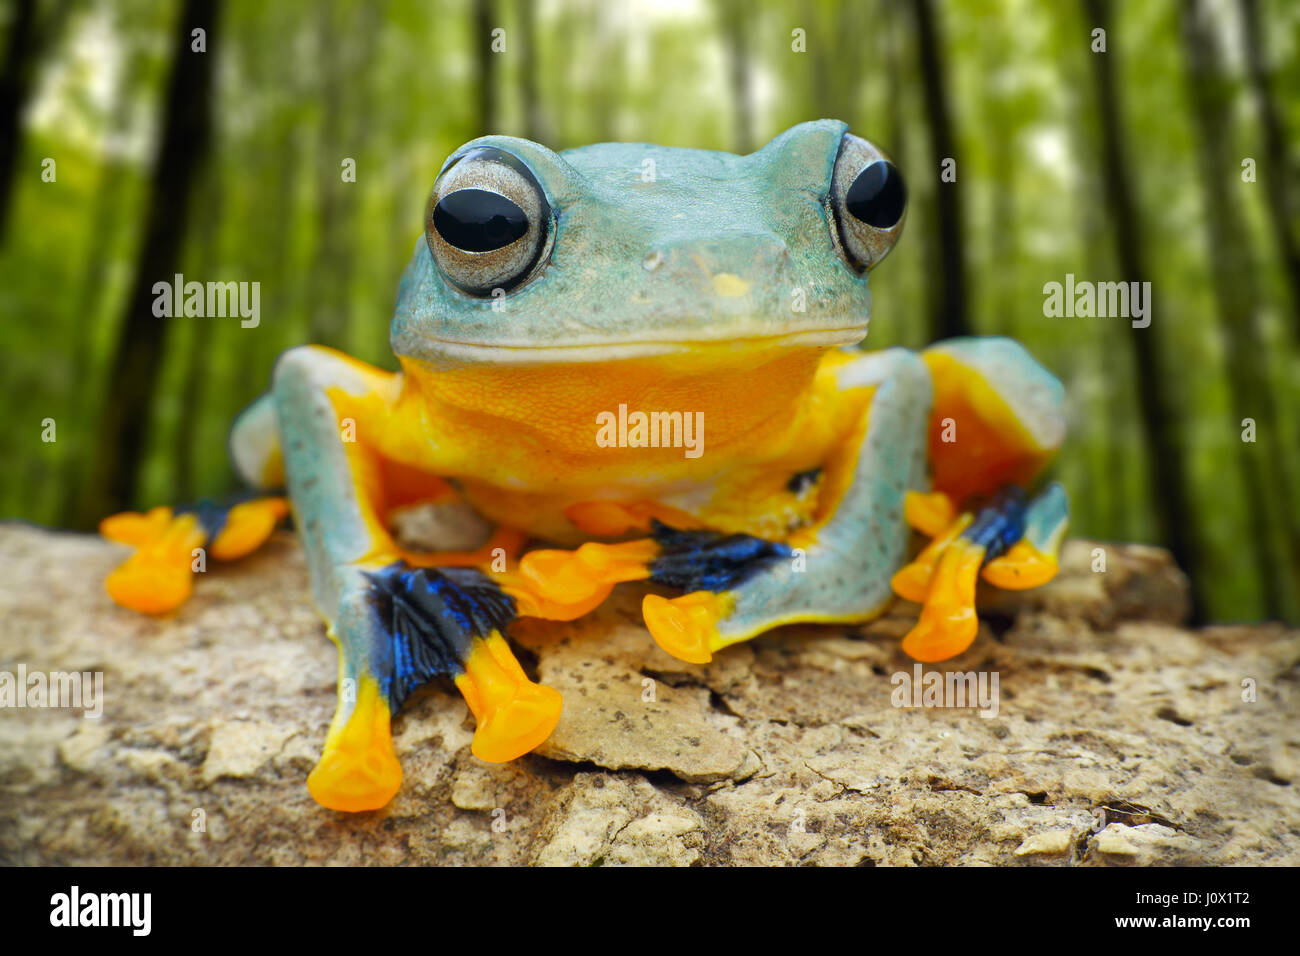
x: 488, y: 222
x: 868, y: 203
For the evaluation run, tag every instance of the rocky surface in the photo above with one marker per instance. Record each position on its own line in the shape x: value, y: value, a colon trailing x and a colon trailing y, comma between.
x: 1121, y: 738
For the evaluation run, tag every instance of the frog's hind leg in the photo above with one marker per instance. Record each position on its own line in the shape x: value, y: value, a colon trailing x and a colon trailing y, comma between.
x: 998, y: 419
x: 999, y: 416
x: 1006, y: 412
x: 836, y: 570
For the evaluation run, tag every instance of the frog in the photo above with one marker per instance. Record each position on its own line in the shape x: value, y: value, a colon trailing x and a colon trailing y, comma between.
x: 632, y: 363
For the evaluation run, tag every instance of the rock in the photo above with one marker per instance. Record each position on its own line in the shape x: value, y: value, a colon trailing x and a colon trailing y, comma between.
x: 1150, y: 844
x: 454, y: 524
x: 1104, y: 583
x: 1113, y: 841
x: 1121, y: 737
x: 85, y: 747
x: 607, y: 820
x: 239, y: 748
x: 618, y: 714
x: 1047, y: 843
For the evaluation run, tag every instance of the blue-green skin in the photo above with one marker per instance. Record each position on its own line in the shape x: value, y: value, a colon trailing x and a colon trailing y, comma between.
x: 763, y: 216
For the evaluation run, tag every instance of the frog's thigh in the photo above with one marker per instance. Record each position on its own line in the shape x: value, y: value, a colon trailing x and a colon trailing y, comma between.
x: 999, y: 416
x: 396, y: 626
x: 840, y: 569
x: 255, y: 447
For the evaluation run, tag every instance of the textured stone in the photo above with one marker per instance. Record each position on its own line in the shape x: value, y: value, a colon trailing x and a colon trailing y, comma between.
x: 1048, y: 843
x: 1122, y: 738
x: 239, y: 748
x: 622, y: 709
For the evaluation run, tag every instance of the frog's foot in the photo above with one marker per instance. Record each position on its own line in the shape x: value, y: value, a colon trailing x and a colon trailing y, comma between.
x: 514, y: 715
x: 451, y: 622
x: 400, y: 628
x: 1012, y: 543
x: 687, y: 627
x: 158, y: 577
x: 563, y: 585
x: 358, y: 769
x: 710, y: 567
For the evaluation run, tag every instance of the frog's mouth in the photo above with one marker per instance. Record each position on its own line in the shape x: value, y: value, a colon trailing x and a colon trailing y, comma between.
x: 608, y: 351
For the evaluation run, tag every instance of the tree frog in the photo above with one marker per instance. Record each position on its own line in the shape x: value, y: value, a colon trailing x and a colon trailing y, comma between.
x: 634, y: 363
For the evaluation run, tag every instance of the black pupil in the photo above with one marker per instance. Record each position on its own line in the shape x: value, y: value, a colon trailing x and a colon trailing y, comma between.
x: 476, y: 220
x: 878, y: 196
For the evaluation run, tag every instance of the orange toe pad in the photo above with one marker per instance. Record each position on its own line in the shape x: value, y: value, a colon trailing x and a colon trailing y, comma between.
x: 685, y: 627
x: 359, y: 770
x: 514, y: 715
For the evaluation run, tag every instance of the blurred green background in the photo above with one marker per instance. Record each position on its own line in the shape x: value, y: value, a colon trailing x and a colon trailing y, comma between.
x: 225, y: 165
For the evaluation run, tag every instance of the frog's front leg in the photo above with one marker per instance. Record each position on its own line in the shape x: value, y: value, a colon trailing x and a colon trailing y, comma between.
x: 396, y: 625
x: 842, y: 568
x: 836, y: 570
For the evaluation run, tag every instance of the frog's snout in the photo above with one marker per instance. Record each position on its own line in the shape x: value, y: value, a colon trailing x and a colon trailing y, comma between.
x: 730, y: 267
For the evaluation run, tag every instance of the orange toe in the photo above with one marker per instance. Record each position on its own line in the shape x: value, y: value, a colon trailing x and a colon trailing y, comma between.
x: 930, y: 513
x: 937, y: 639
x: 514, y: 714
x: 158, y: 577
x: 685, y: 627
x: 563, y: 585
x: 247, y: 526
x: 948, y: 623
x: 135, y: 529
x: 359, y: 769
x: 912, y: 581
x: 1022, y: 567
x: 570, y: 576
x: 150, y: 586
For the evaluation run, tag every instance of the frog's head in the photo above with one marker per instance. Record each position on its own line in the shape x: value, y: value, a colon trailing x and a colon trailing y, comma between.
x: 623, y: 250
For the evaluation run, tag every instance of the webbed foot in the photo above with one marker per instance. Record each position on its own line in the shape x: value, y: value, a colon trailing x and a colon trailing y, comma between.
x: 710, y: 567
x: 358, y: 769
x: 514, y: 715
x: 399, y: 627
x: 159, y: 577
x: 1011, y: 542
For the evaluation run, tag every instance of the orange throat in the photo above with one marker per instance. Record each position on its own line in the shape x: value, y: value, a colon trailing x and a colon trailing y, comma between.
x: 705, y: 405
